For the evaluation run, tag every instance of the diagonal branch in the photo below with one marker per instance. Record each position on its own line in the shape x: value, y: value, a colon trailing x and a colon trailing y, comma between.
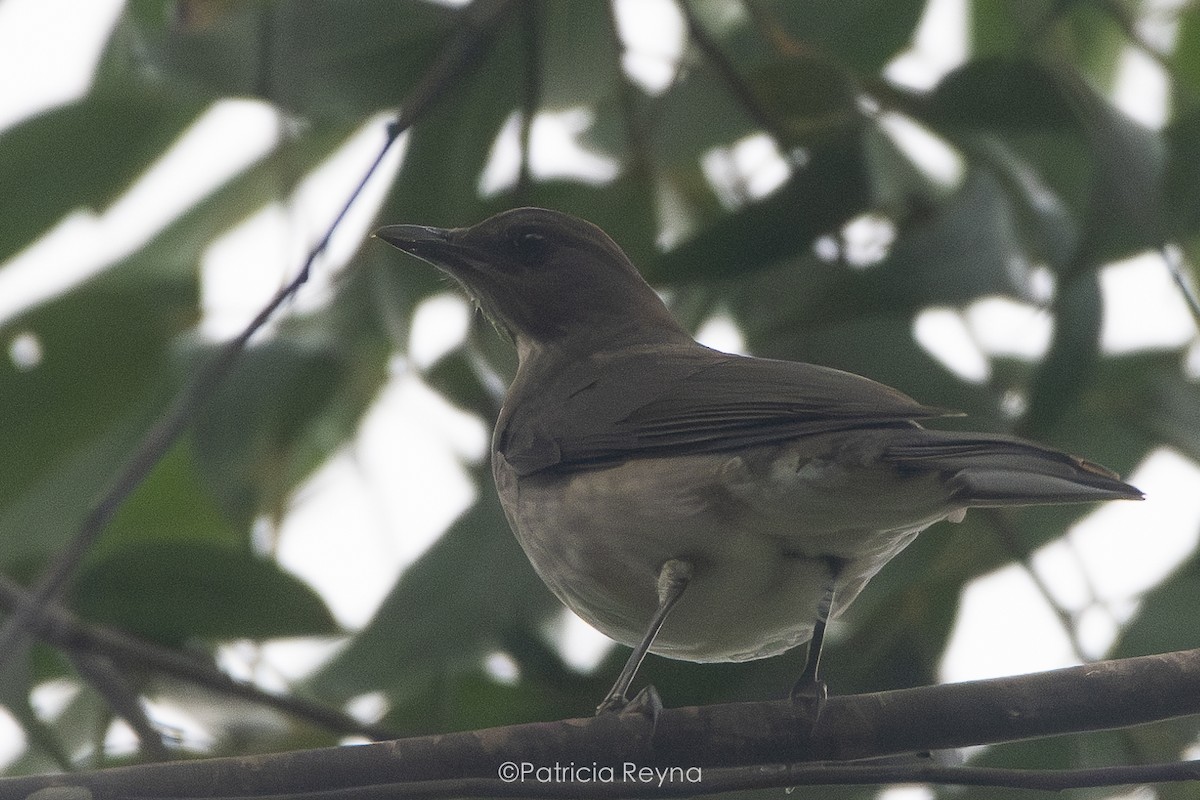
x: 744, y: 95
x: 1002, y: 527
x: 62, y: 629
x: 1173, y: 257
x: 464, y: 48
x: 116, y: 689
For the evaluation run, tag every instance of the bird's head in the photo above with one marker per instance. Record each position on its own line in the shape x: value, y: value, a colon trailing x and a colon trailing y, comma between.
x: 545, y: 277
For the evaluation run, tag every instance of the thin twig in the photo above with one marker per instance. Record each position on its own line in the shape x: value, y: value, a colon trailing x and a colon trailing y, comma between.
x: 1124, y: 19
x: 1171, y: 255
x: 157, y: 441
x: 62, y: 629
x: 478, y: 20
x: 1002, y: 527
x: 770, y: 29
x: 113, y: 685
x: 639, y: 151
x: 737, y: 86
x: 531, y: 94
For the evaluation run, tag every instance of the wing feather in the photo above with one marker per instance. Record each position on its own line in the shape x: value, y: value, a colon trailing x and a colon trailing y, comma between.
x: 993, y: 469
x: 673, y: 401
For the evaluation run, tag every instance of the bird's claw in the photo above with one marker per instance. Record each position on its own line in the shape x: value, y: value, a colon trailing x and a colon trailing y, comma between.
x: 811, y: 695
x: 646, y: 702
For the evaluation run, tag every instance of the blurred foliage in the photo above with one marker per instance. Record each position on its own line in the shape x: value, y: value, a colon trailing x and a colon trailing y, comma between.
x: 1053, y: 177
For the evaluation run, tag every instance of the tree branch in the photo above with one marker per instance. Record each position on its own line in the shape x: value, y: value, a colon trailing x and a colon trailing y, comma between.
x: 114, y: 686
x: 62, y: 629
x: 1172, y: 255
x: 463, y: 49
x: 1001, y: 523
x: 744, y: 95
x: 742, y: 745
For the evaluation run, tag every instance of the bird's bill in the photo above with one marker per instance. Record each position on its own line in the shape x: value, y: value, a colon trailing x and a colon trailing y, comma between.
x: 441, y: 247
x: 421, y: 241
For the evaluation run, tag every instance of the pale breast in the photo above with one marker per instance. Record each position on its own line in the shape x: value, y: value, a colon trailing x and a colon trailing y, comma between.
x: 758, y: 528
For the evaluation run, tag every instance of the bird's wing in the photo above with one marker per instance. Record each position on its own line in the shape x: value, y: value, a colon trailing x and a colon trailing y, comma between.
x: 674, y: 401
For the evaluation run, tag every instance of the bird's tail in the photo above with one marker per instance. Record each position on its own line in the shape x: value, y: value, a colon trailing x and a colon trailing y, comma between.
x: 997, y: 470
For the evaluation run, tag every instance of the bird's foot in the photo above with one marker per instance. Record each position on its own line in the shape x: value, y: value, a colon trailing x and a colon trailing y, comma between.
x: 646, y: 702
x: 810, y: 695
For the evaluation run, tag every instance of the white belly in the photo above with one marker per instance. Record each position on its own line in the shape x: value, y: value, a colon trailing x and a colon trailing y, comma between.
x: 758, y: 529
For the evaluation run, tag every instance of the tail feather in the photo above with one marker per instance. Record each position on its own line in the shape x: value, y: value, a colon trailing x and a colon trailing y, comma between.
x: 995, y: 470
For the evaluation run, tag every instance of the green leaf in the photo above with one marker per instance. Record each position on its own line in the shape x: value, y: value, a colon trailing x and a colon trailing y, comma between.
x: 1185, y: 58
x: 444, y: 159
x: 828, y: 191
x: 864, y: 34
x: 1116, y: 413
x: 1103, y: 165
x: 1181, y: 190
x: 177, y: 589
x: 1074, y: 350
x: 968, y: 248
x: 1094, y: 38
x: 472, y: 699
x: 576, y: 57
x: 109, y: 360
x: 1048, y: 228
x: 171, y: 504
x: 899, y: 188
x: 317, y: 59
x: 281, y: 411
x: 38, y: 520
x: 446, y: 612
x: 697, y: 113
x: 814, y: 100
x: 996, y: 28
x: 1003, y: 93
x: 1170, y: 406
x: 83, y: 155
x: 1165, y: 617
x: 104, y: 360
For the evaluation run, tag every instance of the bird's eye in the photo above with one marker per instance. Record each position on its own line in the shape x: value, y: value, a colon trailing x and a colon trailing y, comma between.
x: 530, y: 246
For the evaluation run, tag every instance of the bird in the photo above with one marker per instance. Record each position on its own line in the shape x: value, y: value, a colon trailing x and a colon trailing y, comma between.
x: 693, y: 503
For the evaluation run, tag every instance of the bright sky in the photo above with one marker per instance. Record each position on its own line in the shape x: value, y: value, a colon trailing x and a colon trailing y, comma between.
x: 388, y: 504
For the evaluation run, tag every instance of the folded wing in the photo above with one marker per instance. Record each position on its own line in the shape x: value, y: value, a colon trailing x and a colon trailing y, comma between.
x: 659, y: 402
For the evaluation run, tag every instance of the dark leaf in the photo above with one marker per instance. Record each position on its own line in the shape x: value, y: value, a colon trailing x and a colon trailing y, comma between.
x: 1102, y: 164
x: 108, y: 362
x: 179, y: 589
x: 448, y: 610
x: 1165, y: 616
x: 83, y: 155
x: 318, y: 59
x: 819, y: 197
x: 1069, y: 364
x: 927, y: 262
x: 864, y: 34
x: 288, y: 404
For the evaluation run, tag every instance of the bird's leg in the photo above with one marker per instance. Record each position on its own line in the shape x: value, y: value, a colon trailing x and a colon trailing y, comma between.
x: 810, y: 684
x: 673, y: 578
